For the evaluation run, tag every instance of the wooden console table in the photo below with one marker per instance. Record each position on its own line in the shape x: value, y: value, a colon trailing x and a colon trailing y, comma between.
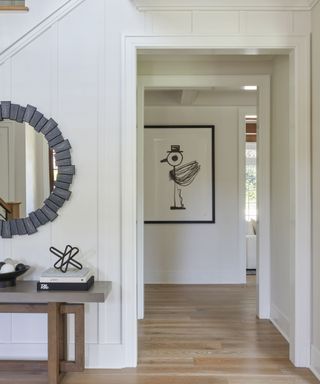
x: 24, y: 298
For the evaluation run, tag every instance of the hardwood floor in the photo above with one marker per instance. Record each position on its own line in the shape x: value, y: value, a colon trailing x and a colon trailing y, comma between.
x: 199, y: 334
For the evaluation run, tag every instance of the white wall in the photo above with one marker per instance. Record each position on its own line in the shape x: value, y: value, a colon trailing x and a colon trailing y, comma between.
x: 72, y: 72
x: 13, y: 25
x: 200, y: 253
x: 280, y: 192
x: 315, y: 349
x: 204, y: 63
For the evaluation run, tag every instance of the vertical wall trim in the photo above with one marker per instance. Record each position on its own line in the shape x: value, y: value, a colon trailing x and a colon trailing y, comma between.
x: 129, y: 202
x: 102, y: 313
x: 140, y: 199
x: 263, y: 189
x: 300, y: 149
x: 315, y: 361
x: 39, y: 29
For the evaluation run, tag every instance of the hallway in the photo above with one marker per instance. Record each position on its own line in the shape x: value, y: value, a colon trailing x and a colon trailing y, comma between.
x: 205, y: 334
x: 199, y: 334
x: 212, y: 333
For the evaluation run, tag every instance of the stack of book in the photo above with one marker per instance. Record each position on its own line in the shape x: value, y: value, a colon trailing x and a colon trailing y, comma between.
x: 72, y: 280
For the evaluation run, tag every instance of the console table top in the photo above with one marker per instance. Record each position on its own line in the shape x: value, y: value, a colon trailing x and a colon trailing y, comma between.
x: 26, y: 292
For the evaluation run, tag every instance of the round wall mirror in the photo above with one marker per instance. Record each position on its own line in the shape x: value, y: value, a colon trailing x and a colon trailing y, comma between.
x: 36, y: 170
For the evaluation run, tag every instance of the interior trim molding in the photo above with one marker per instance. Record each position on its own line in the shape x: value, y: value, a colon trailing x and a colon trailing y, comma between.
x: 218, y: 5
x: 315, y: 361
x: 280, y: 321
x: 300, y: 186
x: 38, y: 29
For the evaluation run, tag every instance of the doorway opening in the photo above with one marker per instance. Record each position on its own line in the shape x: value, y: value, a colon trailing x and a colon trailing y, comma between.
x: 198, y: 254
x: 299, y: 101
x: 220, y: 101
x: 251, y: 193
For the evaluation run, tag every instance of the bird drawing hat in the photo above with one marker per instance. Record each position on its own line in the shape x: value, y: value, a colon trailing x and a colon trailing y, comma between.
x: 175, y: 148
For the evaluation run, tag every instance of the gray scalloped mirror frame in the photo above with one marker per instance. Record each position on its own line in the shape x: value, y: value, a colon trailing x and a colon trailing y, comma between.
x: 60, y: 193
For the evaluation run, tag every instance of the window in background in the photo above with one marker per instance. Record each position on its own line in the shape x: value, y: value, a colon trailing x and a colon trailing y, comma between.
x: 53, y: 168
x: 13, y: 5
x: 251, y: 169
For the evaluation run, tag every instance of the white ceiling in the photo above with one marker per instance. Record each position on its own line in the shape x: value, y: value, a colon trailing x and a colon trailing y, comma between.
x: 215, y: 96
x: 198, y: 55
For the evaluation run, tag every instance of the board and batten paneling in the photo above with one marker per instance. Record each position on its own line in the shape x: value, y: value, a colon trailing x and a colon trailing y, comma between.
x: 71, y: 71
x: 228, y: 22
x: 280, y: 190
x: 65, y: 84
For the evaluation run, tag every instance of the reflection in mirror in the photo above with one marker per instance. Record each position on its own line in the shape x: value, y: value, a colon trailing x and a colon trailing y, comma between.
x: 27, y: 170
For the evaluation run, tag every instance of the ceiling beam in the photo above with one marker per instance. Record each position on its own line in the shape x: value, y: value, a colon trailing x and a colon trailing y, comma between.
x: 188, y: 96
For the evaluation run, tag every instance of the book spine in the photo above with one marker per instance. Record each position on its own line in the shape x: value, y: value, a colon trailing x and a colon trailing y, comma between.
x: 64, y: 279
x: 65, y: 286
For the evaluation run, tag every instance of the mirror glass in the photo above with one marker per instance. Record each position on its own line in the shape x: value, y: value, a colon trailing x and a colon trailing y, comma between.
x: 27, y: 170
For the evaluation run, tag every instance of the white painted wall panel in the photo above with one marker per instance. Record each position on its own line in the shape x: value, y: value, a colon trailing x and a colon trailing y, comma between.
x: 15, y: 24
x: 280, y: 190
x: 190, y: 65
x: 63, y: 72
x: 315, y: 363
x: 74, y: 64
x: 24, y: 351
x: 216, y: 23
x: 200, y: 253
x: 31, y: 328
x: 5, y: 321
x: 302, y: 22
x: 168, y: 23
x: 78, y: 92
x: 5, y: 80
x: 273, y: 23
x: 31, y: 73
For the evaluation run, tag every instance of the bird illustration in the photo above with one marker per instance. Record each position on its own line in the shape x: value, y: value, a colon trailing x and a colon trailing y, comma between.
x: 182, y: 175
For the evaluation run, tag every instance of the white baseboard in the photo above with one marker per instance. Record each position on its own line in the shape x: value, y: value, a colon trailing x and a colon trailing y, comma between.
x: 315, y: 361
x: 103, y: 356
x: 280, y: 321
x: 190, y: 277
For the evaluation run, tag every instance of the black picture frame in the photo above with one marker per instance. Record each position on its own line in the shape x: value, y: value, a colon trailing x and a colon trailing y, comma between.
x: 189, y: 171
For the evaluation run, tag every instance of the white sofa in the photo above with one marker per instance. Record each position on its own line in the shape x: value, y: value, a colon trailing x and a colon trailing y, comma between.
x: 251, y: 245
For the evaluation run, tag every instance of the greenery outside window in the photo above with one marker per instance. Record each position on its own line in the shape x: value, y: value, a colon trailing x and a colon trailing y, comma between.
x: 251, y: 181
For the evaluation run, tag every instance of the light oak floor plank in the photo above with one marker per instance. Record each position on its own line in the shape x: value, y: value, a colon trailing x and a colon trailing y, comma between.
x: 198, y: 334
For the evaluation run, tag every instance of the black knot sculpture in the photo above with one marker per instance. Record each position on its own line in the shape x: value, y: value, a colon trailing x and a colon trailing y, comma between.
x: 66, y: 258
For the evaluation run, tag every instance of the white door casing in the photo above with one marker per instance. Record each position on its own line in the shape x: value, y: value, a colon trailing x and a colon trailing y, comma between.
x: 300, y: 268
x: 263, y: 83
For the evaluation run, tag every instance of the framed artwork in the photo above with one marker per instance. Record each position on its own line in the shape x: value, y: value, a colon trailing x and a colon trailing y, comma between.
x: 179, y: 174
